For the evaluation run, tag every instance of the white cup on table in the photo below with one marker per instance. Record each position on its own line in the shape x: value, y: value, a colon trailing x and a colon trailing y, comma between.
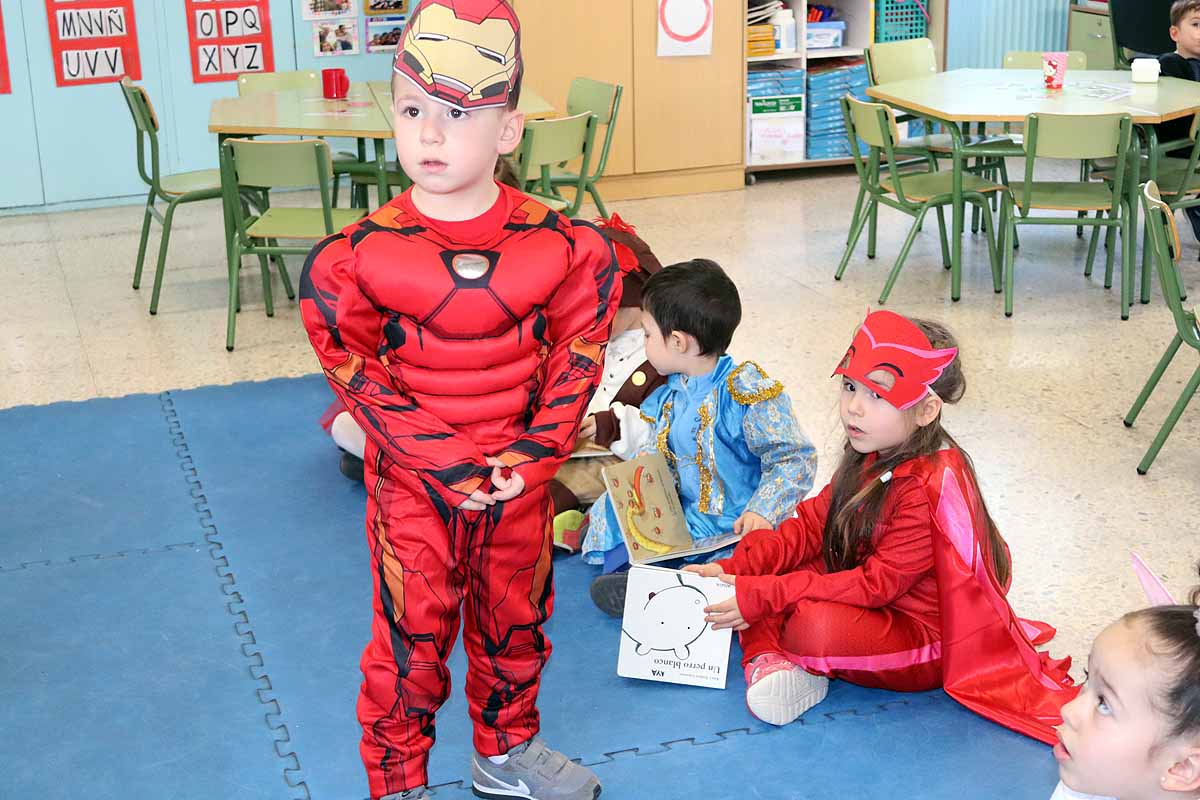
x: 1145, y: 70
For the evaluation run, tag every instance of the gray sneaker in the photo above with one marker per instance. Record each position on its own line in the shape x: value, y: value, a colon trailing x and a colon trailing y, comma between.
x: 533, y: 772
x: 410, y: 794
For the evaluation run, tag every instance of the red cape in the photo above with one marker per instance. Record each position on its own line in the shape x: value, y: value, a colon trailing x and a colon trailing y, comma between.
x: 989, y: 661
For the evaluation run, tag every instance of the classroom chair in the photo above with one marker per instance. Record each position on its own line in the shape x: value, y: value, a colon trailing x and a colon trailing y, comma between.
x: 1163, y: 242
x: 604, y: 101
x: 251, y: 83
x: 554, y: 141
x: 913, y: 193
x: 1140, y: 26
x: 174, y: 190
x: 265, y: 165
x: 1077, y: 138
x: 888, y: 62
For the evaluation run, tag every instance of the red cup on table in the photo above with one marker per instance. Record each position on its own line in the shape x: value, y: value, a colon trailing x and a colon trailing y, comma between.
x: 334, y: 83
x: 1054, y: 69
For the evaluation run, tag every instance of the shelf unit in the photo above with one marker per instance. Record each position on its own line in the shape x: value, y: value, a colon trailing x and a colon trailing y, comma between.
x: 859, y: 16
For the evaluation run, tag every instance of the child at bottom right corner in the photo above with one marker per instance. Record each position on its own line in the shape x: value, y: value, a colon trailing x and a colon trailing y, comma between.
x: 1133, y: 732
x: 894, y: 576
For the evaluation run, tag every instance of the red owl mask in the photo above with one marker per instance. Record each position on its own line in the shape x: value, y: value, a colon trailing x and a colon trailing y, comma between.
x: 464, y: 53
x: 889, y: 342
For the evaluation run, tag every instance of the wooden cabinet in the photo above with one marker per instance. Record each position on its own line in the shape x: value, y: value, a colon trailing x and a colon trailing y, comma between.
x: 689, y: 111
x: 680, y: 126
x: 1091, y: 32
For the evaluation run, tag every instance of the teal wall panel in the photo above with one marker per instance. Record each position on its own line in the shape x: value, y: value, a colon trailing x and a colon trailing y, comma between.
x: 980, y: 32
x: 21, y: 184
x: 85, y: 135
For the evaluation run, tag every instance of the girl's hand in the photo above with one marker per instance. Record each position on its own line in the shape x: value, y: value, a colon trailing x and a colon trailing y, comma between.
x: 705, y: 570
x: 726, y: 614
x: 749, y: 521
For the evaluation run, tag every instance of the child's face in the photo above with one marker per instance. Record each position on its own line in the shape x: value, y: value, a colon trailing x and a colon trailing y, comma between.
x: 1186, y: 35
x: 444, y: 150
x: 669, y: 354
x: 1107, y: 742
x: 873, y: 424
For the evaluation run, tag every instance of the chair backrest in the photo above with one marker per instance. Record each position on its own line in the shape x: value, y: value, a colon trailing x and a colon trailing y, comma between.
x: 554, y: 141
x: 145, y: 123
x: 603, y: 100
x: 274, y: 164
x: 280, y: 164
x: 258, y: 82
x: 1032, y: 59
x: 875, y: 124
x: 1185, y: 175
x: 899, y: 61
x: 1143, y: 26
x: 1077, y: 137
x: 1166, y: 249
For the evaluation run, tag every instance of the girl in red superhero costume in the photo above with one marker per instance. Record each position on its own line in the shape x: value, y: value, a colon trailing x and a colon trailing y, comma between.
x: 895, y: 575
x: 462, y: 325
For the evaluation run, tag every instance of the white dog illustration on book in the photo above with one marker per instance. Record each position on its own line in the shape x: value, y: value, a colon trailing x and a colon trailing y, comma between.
x: 672, y: 618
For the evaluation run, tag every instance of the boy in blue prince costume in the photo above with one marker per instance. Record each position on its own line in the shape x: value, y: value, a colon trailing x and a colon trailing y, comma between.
x: 727, y: 430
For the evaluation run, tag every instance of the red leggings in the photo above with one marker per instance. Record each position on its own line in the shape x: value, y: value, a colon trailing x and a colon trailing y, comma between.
x: 427, y: 563
x: 876, y: 647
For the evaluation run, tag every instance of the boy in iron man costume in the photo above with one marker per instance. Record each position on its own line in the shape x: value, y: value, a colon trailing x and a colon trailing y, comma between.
x: 462, y: 325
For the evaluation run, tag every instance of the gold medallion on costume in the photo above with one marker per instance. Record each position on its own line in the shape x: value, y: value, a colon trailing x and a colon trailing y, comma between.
x: 638, y: 378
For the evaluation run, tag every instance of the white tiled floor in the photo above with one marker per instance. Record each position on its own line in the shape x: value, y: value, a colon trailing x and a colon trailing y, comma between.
x: 1042, y: 415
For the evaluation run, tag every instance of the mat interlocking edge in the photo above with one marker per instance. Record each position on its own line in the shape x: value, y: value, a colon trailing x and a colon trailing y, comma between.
x: 285, y: 532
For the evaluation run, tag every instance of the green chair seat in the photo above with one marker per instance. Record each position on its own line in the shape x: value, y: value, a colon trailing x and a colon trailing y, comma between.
x: 300, y: 223
x: 1063, y: 196
x: 201, y: 180
x: 925, y: 186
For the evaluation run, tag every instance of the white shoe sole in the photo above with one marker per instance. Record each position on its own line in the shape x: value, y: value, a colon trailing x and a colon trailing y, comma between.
x: 781, y: 697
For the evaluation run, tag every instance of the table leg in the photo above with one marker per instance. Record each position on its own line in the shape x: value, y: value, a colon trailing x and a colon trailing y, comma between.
x: 226, y: 211
x: 1152, y: 174
x: 385, y: 193
x: 957, y: 215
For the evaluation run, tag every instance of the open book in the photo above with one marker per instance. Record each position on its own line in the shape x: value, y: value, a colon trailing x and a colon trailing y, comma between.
x: 663, y: 634
x: 649, y: 514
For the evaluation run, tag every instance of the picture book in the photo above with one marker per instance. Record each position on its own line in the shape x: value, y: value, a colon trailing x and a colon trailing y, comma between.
x: 663, y: 634
x: 649, y: 514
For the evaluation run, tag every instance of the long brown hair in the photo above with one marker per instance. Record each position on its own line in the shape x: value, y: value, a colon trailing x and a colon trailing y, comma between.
x: 859, y: 495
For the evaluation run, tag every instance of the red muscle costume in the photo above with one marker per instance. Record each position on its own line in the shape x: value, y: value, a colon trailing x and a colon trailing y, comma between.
x: 922, y: 610
x: 448, y: 343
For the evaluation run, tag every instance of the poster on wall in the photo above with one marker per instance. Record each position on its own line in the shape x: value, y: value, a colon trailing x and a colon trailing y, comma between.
x: 5, y: 81
x: 326, y: 9
x: 93, y: 41
x: 383, y: 33
x: 685, y: 27
x: 229, y: 37
x: 385, y: 7
x: 337, y: 37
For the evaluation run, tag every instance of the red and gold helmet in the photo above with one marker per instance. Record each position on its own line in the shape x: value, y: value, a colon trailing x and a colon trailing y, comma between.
x: 464, y: 53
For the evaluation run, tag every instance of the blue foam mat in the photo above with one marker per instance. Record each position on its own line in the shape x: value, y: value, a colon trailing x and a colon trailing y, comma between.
x: 292, y: 530
x: 99, y: 477
x: 122, y: 677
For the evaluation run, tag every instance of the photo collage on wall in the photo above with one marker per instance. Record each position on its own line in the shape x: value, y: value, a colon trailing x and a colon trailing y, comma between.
x: 336, y: 29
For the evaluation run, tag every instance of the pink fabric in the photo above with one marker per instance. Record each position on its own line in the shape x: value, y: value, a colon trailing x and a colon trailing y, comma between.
x: 880, y: 663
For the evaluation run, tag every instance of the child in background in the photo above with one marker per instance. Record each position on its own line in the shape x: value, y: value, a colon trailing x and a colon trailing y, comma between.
x: 462, y: 325
x: 1183, y: 63
x: 727, y: 430
x: 1133, y: 733
x: 614, y: 421
x: 858, y: 585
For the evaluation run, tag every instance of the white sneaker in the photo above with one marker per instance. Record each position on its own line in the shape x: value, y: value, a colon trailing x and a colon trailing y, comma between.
x: 778, y: 691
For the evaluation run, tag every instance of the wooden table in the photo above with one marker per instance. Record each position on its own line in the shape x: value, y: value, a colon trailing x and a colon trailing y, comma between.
x: 1008, y: 95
